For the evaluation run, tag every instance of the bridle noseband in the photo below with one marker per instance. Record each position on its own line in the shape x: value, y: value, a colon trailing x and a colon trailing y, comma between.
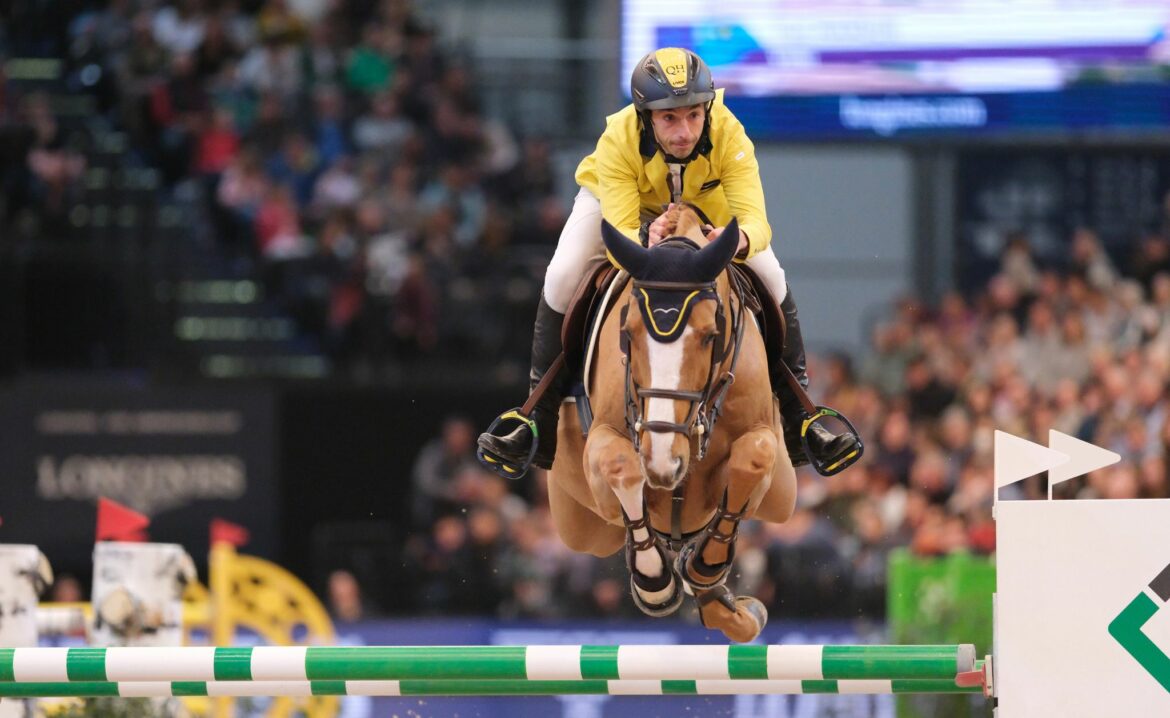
x: 706, y: 403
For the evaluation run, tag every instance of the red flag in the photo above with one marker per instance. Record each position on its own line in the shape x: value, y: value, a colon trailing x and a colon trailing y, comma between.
x: 228, y: 532
x: 115, y: 522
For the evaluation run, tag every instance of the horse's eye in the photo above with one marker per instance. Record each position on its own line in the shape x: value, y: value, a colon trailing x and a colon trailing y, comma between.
x: 709, y: 338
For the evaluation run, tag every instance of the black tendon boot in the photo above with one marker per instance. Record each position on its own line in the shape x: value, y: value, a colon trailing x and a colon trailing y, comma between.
x: 514, y: 446
x: 827, y: 448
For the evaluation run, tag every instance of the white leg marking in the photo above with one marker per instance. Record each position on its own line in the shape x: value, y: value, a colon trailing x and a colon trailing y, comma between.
x: 648, y: 562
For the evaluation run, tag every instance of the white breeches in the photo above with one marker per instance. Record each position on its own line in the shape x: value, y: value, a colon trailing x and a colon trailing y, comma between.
x: 580, y: 244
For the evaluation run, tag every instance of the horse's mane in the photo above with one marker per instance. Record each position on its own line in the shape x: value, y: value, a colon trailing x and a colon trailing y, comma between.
x: 682, y: 220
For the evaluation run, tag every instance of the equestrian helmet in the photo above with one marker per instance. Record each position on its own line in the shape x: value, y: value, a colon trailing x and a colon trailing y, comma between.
x: 671, y: 77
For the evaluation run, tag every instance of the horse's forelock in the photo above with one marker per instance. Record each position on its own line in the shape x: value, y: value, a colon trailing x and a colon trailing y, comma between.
x: 683, y: 221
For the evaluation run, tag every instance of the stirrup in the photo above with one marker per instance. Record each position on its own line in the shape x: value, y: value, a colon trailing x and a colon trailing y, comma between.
x: 499, y: 465
x: 833, y: 465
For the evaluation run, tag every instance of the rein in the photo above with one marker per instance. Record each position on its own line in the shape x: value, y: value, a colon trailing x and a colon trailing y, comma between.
x: 706, y: 404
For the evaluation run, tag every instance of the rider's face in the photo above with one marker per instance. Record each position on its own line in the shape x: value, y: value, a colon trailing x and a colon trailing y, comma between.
x: 678, y: 129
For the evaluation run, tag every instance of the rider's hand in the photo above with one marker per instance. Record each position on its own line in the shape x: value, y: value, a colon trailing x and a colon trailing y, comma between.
x: 657, y: 229
x: 714, y: 232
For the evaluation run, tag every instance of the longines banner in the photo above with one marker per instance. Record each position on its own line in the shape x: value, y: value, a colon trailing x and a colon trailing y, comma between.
x: 179, y: 455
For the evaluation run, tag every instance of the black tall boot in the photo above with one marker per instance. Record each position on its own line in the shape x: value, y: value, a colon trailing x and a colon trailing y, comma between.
x: 827, y: 448
x: 514, y: 446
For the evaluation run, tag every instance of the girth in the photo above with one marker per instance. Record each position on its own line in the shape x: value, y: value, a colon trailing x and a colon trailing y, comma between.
x: 676, y: 539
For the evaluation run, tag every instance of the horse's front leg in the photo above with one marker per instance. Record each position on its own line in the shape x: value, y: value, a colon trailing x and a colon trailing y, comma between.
x: 707, y: 561
x: 615, y: 471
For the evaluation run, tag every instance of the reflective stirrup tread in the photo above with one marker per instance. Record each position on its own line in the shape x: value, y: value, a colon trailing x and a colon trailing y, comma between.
x: 498, y: 453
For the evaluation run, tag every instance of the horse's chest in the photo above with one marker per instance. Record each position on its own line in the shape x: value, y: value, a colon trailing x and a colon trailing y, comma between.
x: 700, y: 497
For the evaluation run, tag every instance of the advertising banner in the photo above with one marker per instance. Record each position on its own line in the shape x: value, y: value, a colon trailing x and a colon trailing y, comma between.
x: 181, y: 456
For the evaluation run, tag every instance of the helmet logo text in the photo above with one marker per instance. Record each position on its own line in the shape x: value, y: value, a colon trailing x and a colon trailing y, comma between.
x: 673, y: 62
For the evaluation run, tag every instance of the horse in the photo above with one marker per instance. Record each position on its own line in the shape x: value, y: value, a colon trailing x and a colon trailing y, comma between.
x: 686, y: 437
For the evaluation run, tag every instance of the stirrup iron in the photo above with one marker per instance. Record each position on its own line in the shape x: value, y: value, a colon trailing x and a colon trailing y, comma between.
x: 498, y: 464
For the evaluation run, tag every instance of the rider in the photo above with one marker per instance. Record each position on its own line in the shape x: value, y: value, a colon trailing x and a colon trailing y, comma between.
x: 677, y: 132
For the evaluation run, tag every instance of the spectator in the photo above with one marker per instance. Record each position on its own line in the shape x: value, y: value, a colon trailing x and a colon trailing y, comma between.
x: 336, y: 188
x: 437, y: 468
x: 218, y: 143
x: 416, y: 309
x: 323, y: 62
x: 347, y: 603
x: 456, y: 190
x: 925, y: 394
x: 371, y: 65
x: 1152, y: 256
x: 1089, y: 261
x: 382, y: 128
x: 53, y: 169
x: 1073, y: 359
x: 269, y: 124
x: 218, y: 52
x: 329, y: 133
x: 238, y: 197
x: 273, y: 67
x: 296, y: 165
x: 437, y: 562
x: 277, y: 21
x: 278, y: 227
x: 1018, y: 266
x: 180, y: 27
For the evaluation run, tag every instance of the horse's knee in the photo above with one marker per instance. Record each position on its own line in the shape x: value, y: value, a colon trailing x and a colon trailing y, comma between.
x: 620, y: 471
x: 754, y: 455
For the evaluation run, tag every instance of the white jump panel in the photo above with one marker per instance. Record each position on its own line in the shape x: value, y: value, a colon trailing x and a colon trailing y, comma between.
x: 1066, y: 571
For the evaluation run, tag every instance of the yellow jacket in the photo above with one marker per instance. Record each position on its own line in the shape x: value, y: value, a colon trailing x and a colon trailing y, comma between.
x: 724, y: 184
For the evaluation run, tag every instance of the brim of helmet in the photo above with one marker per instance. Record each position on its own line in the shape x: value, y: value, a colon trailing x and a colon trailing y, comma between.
x: 691, y: 98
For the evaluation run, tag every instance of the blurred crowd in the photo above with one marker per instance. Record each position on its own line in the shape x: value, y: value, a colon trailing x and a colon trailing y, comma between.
x: 1082, y: 348
x: 330, y: 148
x: 336, y: 151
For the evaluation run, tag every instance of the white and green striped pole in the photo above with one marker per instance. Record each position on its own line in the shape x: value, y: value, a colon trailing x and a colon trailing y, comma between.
x: 87, y: 689
x: 550, y: 663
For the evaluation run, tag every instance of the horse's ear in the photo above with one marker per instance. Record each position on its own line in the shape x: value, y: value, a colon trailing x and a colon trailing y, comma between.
x: 715, y: 257
x: 629, y: 254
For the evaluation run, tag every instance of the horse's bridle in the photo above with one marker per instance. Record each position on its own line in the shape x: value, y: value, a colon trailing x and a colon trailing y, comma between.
x: 706, y: 403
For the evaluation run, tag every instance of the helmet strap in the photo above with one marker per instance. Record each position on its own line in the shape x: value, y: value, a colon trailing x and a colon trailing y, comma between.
x: 647, y: 143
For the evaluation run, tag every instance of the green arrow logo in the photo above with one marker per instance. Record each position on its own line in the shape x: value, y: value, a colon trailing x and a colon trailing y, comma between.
x: 1126, y: 629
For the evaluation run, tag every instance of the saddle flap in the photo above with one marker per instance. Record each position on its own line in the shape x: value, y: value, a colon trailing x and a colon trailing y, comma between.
x: 759, y: 301
x: 575, y: 330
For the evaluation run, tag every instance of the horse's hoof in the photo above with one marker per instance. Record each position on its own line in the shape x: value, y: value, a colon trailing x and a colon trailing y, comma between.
x: 743, y: 625
x: 687, y: 555
x: 754, y: 608
x: 667, y: 607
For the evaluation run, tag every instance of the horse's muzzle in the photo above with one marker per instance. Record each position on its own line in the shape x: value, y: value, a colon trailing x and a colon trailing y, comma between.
x: 666, y: 481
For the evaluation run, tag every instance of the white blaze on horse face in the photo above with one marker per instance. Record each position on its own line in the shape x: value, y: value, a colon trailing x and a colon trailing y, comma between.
x: 666, y: 362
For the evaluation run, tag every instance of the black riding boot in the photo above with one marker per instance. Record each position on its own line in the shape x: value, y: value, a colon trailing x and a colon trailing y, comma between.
x: 546, y: 346
x: 825, y: 446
